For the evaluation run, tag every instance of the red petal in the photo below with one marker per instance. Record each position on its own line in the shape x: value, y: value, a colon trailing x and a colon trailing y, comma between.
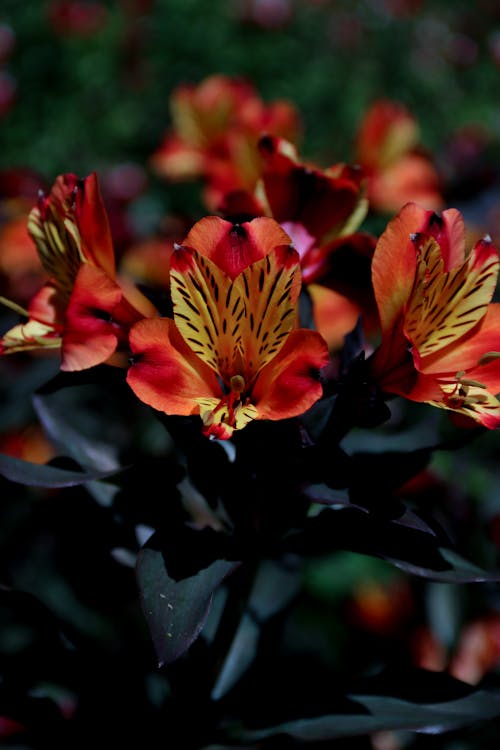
x: 60, y: 196
x: 176, y: 160
x: 289, y: 384
x: 90, y: 337
x: 45, y: 306
x: 387, y: 131
x: 451, y: 239
x: 334, y: 315
x: 97, y: 245
x: 412, y: 177
x: 233, y: 247
x: 321, y: 201
x: 166, y: 374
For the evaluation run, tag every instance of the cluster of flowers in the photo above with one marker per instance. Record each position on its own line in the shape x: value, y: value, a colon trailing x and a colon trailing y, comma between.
x: 234, y: 346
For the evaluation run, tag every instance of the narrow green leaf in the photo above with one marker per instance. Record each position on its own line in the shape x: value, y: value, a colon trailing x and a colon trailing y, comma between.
x: 275, y: 585
x: 43, y: 475
x: 386, y: 713
x: 91, y: 454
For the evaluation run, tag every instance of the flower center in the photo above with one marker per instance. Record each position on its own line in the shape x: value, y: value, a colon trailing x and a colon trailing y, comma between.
x: 232, y: 412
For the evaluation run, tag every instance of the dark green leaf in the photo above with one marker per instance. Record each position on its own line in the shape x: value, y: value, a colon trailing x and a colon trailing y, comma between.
x: 176, y: 610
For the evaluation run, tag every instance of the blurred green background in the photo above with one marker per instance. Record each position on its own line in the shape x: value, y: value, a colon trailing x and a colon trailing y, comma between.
x: 93, y: 94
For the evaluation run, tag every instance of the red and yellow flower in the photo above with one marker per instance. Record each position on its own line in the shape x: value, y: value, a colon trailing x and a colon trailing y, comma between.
x: 82, y: 309
x: 440, y: 339
x: 232, y: 352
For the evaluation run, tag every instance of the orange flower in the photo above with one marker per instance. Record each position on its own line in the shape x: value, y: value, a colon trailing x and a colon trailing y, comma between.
x: 440, y: 334
x: 232, y: 353
x: 216, y: 125
x: 81, y: 309
x: 398, y: 171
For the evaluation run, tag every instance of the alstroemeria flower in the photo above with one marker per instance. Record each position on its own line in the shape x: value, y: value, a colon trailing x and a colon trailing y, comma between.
x: 440, y: 332
x: 232, y: 352
x: 215, y: 128
x: 397, y: 169
x: 81, y: 309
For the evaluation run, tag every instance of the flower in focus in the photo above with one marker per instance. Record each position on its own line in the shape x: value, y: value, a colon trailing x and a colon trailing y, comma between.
x: 232, y: 352
x: 440, y: 334
x: 216, y: 126
x: 398, y: 171
x: 81, y: 309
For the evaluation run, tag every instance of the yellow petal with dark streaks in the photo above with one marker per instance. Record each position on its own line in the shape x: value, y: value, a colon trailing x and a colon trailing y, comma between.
x: 270, y: 287
x: 58, y: 248
x: 199, y: 292
x: 444, y: 306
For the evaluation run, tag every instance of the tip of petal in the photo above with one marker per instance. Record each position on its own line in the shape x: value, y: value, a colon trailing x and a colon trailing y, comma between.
x: 182, y: 259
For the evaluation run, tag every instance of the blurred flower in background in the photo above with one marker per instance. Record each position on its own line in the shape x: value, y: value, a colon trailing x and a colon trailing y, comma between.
x: 216, y: 126
x: 398, y: 171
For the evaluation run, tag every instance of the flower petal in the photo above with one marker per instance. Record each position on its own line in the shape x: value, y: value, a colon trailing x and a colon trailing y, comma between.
x: 30, y: 335
x: 176, y: 160
x: 394, y: 263
x: 90, y: 337
x: 468, y: 353
x: 324, y: 202
x: 165, y: 373
x: 473, y: 401
x: 235, y: 325
x: 92, y: 219
x: 289, y: 384
x: 52, y: 227
x: 203, y: 302
x: 270, y: 289
x: 46, y: 306
x: 233, y: 247
x: 214, y: 414
x: 449, y: 232
x: 334, y: 315
x: 388, y: 130
x: 444, y: 307
x: 412, y: 177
